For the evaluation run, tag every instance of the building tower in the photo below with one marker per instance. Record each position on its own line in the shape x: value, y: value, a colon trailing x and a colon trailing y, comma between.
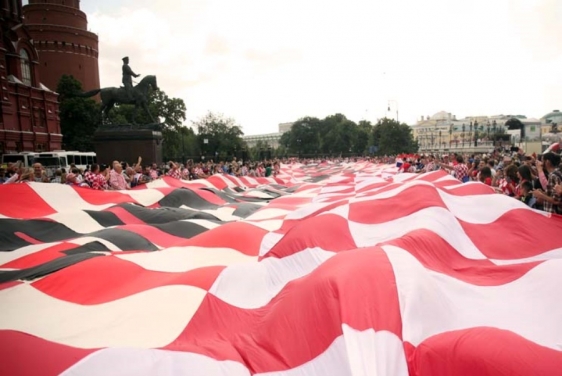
x: 28, y: 111
x: 65, y: 46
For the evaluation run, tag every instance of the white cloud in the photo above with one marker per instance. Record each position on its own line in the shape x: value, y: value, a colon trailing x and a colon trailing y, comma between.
x: 266, y: 62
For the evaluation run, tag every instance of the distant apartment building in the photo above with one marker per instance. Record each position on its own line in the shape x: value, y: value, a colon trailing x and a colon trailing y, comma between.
x: 444, y: 131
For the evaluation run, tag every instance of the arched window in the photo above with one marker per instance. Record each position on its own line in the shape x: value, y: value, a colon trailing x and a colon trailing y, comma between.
x: 25, y: 68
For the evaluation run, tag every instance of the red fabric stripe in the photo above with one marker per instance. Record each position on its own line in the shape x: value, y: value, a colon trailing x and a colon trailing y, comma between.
x: 24, y: 355
x: 47, y: 254
x: 265, y: 338
x: 482, y: 351
x: 523, y: 227
x: 334, y: 236
x: 248, y: 238
x: 121, y: 278
x: 125, y: 216
x: 24, y: 202
x: 27, y: 238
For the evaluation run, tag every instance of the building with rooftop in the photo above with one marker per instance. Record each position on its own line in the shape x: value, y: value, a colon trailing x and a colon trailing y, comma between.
x: 444, y: 131
x: 29, y: 118
x: 59, y: 30
x: 269, y: 139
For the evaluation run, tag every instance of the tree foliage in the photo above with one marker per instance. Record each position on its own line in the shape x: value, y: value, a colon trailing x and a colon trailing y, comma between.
x: 178, y: 141
x: 335, y: 135
x: 170, y: 111
x: 223, y: 136
x: 79, y: 117
x: 391, y: 137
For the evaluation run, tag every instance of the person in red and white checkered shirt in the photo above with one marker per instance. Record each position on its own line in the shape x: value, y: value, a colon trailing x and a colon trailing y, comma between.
x: 174, y: 171
x: 460, y: 169
x: 89, y: 175
x: 96, y: 179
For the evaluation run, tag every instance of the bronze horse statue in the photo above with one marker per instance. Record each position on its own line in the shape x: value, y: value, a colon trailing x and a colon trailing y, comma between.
x: 119, y: 95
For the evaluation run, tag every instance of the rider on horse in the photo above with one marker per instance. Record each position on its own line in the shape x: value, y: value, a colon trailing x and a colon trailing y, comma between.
x: 127, y: 77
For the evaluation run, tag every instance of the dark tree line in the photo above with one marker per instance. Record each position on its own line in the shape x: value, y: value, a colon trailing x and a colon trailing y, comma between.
x: 335, y: 135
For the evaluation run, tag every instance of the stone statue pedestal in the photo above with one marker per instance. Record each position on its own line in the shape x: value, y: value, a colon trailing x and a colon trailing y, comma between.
x: 126, y: 143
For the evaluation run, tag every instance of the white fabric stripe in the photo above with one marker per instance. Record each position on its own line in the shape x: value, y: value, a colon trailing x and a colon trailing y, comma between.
x: 366, y: 182
x: 77, y: 220
x: 266, y: 213
x: 433, y: 303
x: 377, y: 351
x: 64, y: 198
x: 257, y: 194
x: 203, y: 223
x: 183, y: 259
x: 373, y: 353
x: 145, y: 197
x: 89, y: 239
x: 253, y: 285
x: 269, y: 241
x: 335, y: 189
x: 125, y: 322
x: 466, y: 208
x: 152, y: 362
x: 469, y: 208
x: 381, y: 354
x: 553, y: 254
x: 158, y: 183
x: 268, y: 224
x: 306, y: 210
x: 436, y: 219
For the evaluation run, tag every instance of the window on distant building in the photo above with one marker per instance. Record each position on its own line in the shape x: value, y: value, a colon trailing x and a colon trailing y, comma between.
x: 25, y: 68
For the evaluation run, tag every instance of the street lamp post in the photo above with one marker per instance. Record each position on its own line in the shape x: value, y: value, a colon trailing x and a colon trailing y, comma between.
x: 432, y: 140
x: 396, y: 103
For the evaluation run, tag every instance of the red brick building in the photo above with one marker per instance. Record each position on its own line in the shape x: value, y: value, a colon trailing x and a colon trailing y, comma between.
x: 60, y: 33
x: 28, y: 110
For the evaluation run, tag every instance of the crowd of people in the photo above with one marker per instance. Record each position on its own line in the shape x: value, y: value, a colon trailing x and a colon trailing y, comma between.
x: 122, y: 176
x: 534, y: 179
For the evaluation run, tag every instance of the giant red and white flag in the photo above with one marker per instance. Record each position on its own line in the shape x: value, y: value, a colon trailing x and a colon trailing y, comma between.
x: 329, y: 269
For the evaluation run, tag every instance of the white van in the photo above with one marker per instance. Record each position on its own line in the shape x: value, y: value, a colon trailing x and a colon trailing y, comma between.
x: 27, y: 158
x: 63, y: 159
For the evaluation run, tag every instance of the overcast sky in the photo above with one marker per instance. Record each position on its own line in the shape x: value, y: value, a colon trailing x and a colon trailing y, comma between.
x: 267, y: 62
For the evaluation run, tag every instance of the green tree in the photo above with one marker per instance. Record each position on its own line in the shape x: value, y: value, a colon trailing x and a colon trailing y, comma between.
x: 170, y: 111
x: 361, y: 141
x: 259, y: 150
x: 392, y: 137
x: 334, y: 134
x: 337, y: 134
x: 304, y: 137
x: 219, y: 135
x: 178, y: 141
x: 79, y: 117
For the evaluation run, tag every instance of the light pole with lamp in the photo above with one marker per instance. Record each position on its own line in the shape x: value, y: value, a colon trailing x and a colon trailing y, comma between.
x: 396, y: 103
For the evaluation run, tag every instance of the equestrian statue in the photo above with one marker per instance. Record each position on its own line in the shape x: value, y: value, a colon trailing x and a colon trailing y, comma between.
x: 128, y: 94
